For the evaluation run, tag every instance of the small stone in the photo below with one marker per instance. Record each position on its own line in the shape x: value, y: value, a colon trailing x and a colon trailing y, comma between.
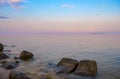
x: 12, y: 45
x: 7, y: 51
x: 17, y: 62
x: 16, y: 58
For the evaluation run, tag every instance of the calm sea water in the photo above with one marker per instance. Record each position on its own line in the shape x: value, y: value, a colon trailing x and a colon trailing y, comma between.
x: 105, y: 49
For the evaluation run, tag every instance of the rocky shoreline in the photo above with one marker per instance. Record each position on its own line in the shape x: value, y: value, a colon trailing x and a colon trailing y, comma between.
x: 84, y: 68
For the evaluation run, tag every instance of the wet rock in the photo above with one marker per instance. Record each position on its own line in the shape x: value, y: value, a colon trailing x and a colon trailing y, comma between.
x: 51, y: 65
x: 1, y: 47
x: 46, y: 77
x: 61, y: 69
x: 66, y: 65
x: 17, y: 75
x: 3, y: 62
x: 16, y: 57
x: 5, y: 45
x: 17, y: 62
x: 25, y: 55
x: 3, y: 56
x: 7, y: 51
x: 13, y: 46
x: 9, y: 65
x: 86, y: 68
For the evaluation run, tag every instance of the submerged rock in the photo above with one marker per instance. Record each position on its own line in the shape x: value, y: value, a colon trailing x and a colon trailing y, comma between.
x: 9, y: 65
x: 1, y: 47
x: 61, y: 69
x: 16, y: 58
x: 17, y: 75
x: 3, y: 56
x: 46, y: 77
x: 12, y: 45
x: 7, y: 51
x: 25, y: 55
x: 3, y: 62
x: 86, y: 68
x: 66, y: 65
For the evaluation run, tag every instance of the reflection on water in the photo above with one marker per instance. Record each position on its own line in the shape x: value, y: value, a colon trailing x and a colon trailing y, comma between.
x: 105, y: 49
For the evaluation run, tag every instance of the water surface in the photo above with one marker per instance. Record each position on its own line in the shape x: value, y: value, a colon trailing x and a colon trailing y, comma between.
x: 105, y: 49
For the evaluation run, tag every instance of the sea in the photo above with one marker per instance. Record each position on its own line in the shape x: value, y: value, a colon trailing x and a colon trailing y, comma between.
x: 48, y: 50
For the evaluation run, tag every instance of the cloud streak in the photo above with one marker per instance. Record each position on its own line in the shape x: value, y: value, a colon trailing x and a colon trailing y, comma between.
x: 67, y: 6
x: 12, y: 3
x: 3, y: 17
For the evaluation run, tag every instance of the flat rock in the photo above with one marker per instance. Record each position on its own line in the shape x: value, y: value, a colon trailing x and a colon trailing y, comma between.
x: 66, y: 65
x: 86, y: 68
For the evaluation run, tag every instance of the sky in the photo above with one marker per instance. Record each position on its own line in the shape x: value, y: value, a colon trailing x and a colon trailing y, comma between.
x: 59, y: 16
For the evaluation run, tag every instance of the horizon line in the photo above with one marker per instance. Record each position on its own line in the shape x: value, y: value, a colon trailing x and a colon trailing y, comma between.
x: 59, y: 33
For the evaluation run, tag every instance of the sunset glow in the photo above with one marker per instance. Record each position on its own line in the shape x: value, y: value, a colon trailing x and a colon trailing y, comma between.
x: 59, y: 16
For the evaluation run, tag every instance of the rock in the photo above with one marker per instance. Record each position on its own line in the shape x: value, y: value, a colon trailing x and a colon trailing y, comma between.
x: 16, y: 58
x: 3, y: 56
x: 51, y: 65
x: 25, y: 55
x: 9, y: 65
x: 17, y: 62
x: 46, y: 77
x: 86, y: 68
x: 61, y: 69
x: 12, y: 45
x: 1, y: 47
x: 67, y: 65
x: 3, y: 62
x: 17, y: 75
x: 7, y: 51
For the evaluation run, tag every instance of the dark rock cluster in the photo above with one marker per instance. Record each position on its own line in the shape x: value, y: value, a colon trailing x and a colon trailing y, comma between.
x: 66, y: 65
x: 83, y: 68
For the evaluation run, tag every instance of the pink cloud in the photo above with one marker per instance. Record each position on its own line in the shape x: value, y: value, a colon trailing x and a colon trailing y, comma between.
x: 12, y: 3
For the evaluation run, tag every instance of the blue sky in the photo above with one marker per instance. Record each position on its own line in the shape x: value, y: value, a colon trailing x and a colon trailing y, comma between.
x: 56, y: 8
x: 60, y: 15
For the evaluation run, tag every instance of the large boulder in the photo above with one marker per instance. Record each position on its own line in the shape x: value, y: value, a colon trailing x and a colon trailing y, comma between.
x: 26, y: 55
x: 66, y: 65
x: 86, y: 68
x: 17, y: 75
x: 1, y: 47
x: 3, y: 56
x: 9, y: 65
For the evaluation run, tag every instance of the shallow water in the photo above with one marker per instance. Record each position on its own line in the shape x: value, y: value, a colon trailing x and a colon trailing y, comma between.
x: 105, y: 49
